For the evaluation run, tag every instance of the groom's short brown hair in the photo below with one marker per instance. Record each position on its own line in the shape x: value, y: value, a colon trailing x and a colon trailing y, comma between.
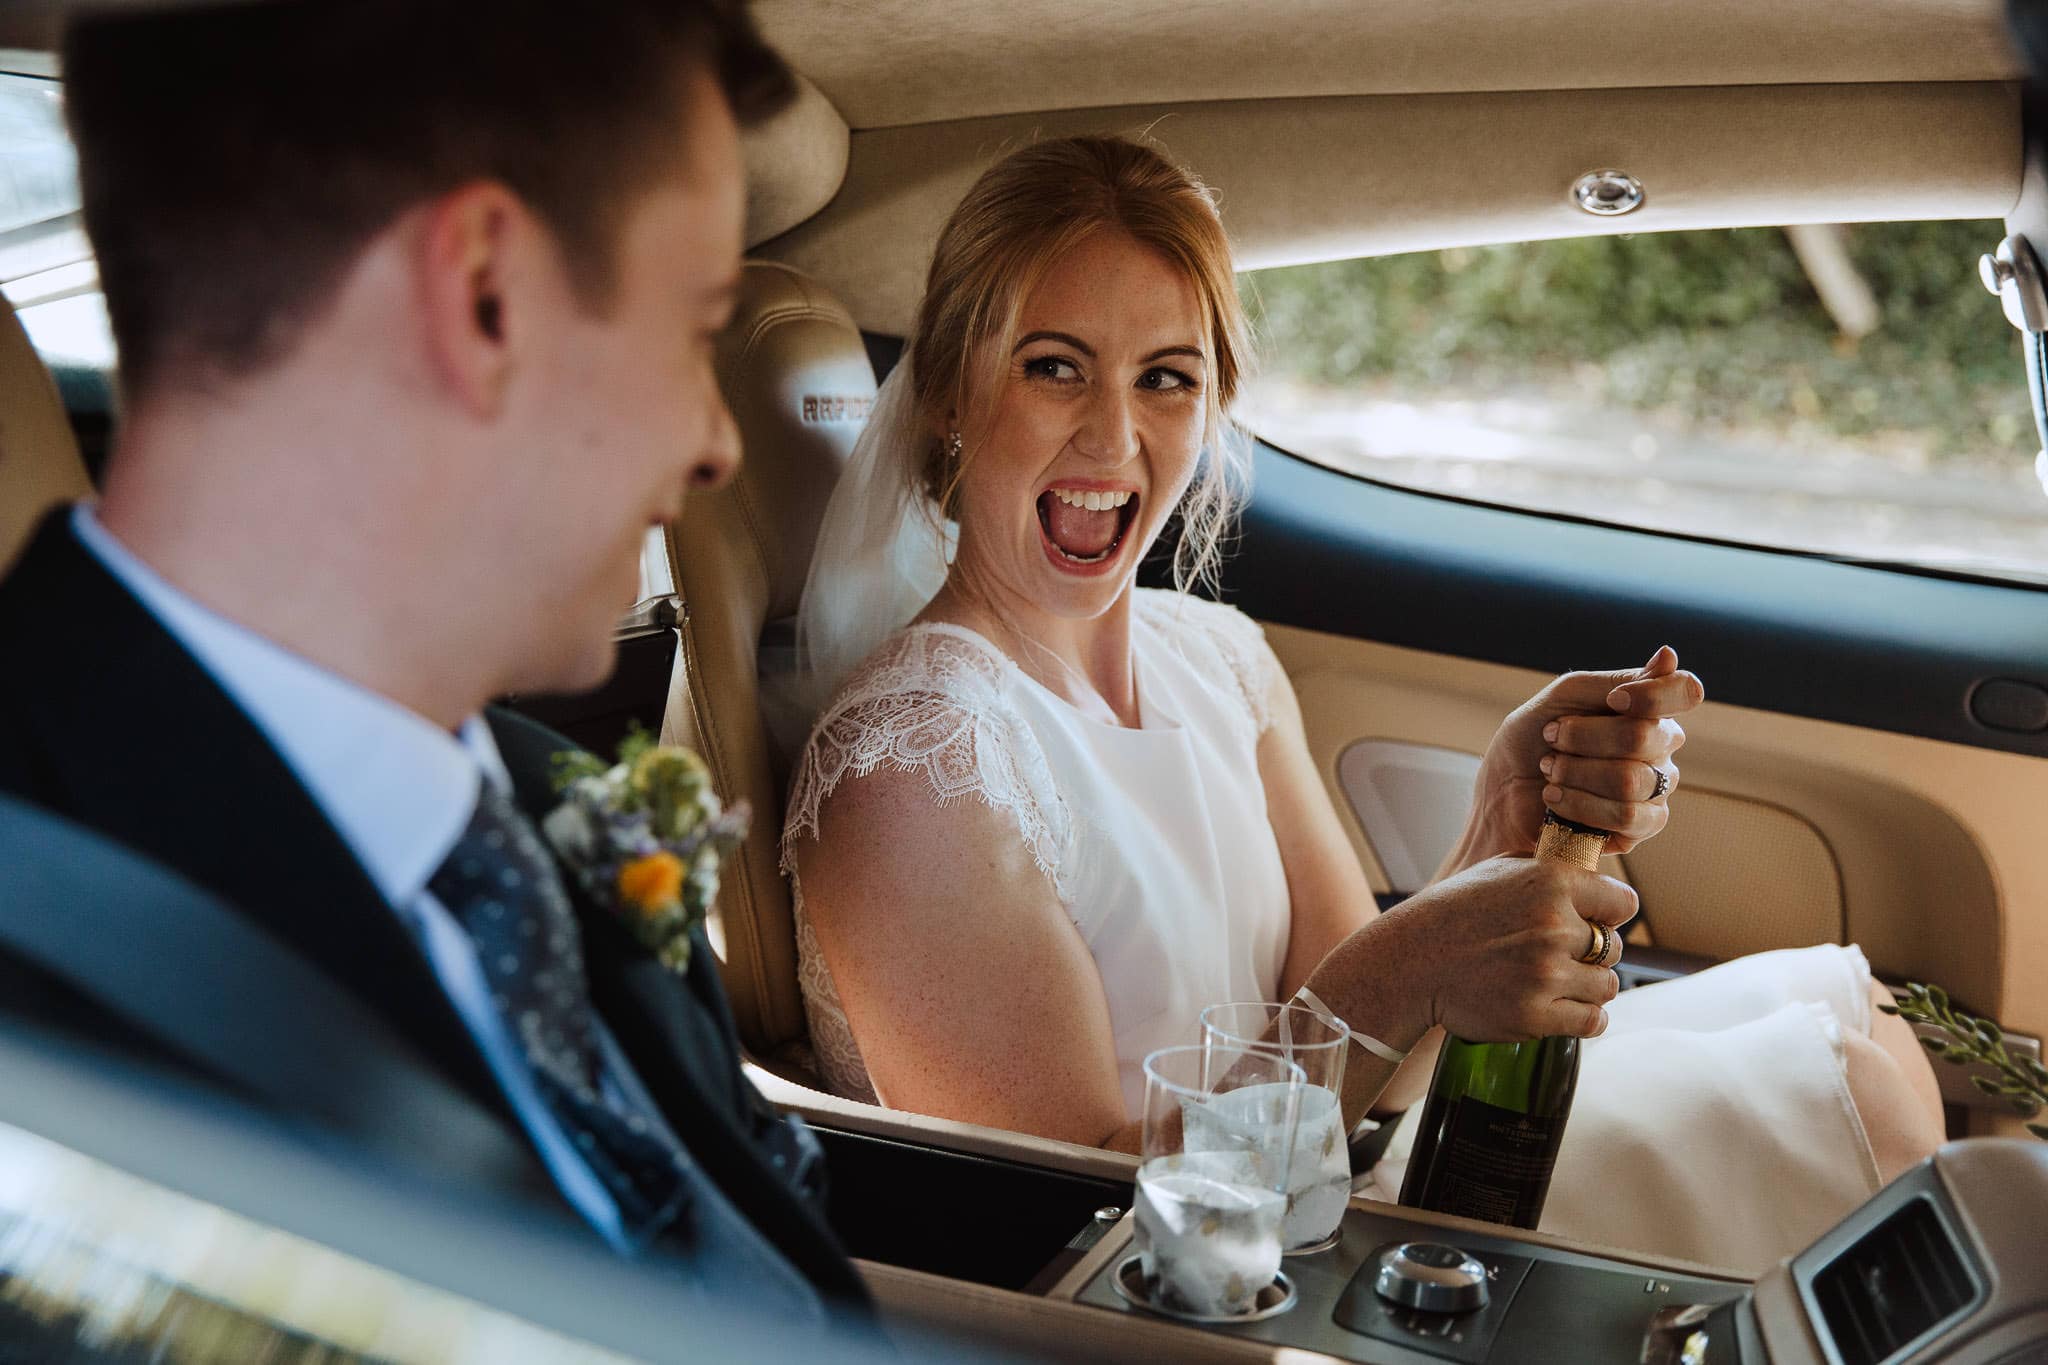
x: 235, y: 156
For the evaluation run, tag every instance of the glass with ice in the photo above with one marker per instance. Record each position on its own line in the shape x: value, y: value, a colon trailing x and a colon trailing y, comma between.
x: 1219, y: 1134
x: 1319, y: 1171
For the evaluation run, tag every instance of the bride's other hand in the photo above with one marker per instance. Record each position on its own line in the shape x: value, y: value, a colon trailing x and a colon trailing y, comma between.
x: 1491, y: 954
x: 1591, y: 747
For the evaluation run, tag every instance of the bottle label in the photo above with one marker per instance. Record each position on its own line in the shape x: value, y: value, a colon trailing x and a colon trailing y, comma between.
x: 1496, y: 1163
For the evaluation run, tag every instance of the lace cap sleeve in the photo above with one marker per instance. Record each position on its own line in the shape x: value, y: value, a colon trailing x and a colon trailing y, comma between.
x: 1222, y: 643
x: 934, y: 702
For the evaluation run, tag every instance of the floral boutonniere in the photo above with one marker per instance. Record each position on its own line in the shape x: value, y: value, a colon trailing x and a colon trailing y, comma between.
x: 646, y: 836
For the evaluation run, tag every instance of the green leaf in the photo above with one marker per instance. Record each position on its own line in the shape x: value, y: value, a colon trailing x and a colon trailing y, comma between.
x: 1935, y: 1046
x: 1985, y: 1084
x: 636, y: 743
x: 571, y: 765
x: 2027, y: 1105
x: 1987, y: 1030
x: 2039, y: 1130
x: 1888, y: 1009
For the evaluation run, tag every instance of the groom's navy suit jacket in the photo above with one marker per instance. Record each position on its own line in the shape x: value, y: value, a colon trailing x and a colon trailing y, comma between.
x: 106, y: 720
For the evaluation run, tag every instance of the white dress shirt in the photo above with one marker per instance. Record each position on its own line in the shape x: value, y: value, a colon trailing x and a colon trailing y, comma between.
x: 400, y: 791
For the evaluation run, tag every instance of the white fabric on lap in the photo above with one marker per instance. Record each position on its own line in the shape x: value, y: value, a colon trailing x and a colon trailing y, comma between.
x: 1748, y: 988
x: 1713, y: 1120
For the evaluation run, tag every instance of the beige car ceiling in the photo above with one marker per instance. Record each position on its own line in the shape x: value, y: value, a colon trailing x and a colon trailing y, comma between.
x: 1339, y: 129
x: 1334, y: 128
x: 888, y: 62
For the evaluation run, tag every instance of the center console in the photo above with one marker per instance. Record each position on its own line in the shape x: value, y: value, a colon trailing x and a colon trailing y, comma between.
x: 1948, y: 1263
x: 1395, y: 1291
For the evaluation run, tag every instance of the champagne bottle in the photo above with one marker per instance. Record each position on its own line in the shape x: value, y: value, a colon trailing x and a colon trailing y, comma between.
x: 1486, y: 1141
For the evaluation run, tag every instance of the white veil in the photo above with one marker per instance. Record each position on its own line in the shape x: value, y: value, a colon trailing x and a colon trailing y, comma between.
x: 882, y: 553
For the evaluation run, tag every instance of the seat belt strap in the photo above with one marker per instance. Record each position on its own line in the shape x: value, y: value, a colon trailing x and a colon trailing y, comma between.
x: 180, y: 966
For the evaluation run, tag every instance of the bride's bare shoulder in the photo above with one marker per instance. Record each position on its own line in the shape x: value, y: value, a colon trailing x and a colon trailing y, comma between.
x: 923, y: 744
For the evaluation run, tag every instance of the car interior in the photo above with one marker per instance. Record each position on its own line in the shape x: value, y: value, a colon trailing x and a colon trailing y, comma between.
x: 1868, y: 767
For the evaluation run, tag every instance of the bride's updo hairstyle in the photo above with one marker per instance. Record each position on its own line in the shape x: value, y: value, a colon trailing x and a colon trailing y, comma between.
x: 1023, y: 215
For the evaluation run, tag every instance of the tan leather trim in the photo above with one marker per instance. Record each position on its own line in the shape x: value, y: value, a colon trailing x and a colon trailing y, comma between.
x: 887, y: 62
x: 39, y: 461
x: 1053, y: 1329
x: 1322, y: 179
x: 795, y: 373
x: 1936, y: 846
x: 833, y: 1111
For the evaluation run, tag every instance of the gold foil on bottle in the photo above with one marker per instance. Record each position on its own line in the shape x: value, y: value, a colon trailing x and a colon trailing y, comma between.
x: 1580, y: 845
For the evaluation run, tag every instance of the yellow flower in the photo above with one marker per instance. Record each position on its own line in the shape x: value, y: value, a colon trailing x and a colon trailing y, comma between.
x: 651, y: 884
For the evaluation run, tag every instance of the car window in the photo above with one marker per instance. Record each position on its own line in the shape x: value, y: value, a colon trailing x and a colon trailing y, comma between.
x: 39, y: 222
x: 46, y: 267
x: 1850, y: 390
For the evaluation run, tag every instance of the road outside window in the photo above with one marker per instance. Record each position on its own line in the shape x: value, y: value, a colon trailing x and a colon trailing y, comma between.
x: 1849, y: 390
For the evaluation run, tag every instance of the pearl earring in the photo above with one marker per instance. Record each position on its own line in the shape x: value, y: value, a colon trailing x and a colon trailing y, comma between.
x: 953, y: 445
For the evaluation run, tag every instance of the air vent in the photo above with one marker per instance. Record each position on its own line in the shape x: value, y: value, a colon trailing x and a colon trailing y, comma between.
x: 1902, y: 1280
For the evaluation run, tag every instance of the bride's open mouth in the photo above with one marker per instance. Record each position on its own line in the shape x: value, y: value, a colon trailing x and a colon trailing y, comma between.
x: 1084, y: 528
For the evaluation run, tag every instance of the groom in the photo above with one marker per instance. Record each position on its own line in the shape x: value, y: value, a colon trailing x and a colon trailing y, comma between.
x: 415, y: 302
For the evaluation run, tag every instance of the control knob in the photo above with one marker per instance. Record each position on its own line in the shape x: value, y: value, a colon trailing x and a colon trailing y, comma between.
x: 1431, y: 1277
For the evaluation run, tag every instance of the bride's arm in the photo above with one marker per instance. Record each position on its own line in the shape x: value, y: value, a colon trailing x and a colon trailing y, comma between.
x: 971, y: 993
x: 1331, y: 901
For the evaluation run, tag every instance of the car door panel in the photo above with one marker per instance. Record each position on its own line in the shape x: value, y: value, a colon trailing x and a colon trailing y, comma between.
x: 1835, y: 786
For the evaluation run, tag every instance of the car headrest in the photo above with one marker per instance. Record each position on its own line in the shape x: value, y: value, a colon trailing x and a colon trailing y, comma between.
x: 795, y: 373
x: 39, y: 461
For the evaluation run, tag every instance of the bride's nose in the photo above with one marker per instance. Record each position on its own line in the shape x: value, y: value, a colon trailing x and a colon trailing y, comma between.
x: 1109, y: 429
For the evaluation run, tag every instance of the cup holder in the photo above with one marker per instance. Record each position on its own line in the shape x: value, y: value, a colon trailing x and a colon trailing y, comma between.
x: 1129, y: 1281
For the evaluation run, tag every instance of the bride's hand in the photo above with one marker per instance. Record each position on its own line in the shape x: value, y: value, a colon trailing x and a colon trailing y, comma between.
x: 1491, y: 953
x: 1590, y: 746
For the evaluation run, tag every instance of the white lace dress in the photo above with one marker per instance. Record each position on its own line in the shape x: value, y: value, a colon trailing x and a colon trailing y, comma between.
x: 1154, y: 839
x: 1712, y: 1122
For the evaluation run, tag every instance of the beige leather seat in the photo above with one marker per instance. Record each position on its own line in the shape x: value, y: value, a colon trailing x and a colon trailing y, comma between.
x: 39, y: 461
x: 797, y: 377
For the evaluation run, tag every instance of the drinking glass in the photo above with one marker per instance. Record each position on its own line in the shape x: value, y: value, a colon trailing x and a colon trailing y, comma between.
x: 1219, y: 1133
x: 1319, y: 1171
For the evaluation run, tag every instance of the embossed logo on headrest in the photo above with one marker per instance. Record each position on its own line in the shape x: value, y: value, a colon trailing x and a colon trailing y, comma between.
x: 836, y: 408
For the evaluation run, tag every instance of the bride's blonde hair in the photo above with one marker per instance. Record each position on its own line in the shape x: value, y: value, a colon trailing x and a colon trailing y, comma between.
x: 1023, y: 214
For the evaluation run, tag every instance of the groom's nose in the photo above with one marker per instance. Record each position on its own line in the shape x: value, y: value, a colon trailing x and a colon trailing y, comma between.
x: 719, y: 457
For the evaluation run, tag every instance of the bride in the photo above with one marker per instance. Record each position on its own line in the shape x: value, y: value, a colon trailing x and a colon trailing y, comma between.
x: 1045, y: 816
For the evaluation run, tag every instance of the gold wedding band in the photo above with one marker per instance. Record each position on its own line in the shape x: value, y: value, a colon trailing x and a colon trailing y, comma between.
x: 1596, y: 951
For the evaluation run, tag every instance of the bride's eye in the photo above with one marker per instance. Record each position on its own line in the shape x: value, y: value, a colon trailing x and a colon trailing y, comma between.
x: 1160, y: 379
x: 1053, y: 367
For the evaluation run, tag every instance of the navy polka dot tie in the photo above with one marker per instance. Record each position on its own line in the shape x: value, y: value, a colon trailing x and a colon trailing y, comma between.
x: 502, y: 887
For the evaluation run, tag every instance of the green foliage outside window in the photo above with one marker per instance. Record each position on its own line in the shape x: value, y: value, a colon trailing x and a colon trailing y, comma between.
x: 1719, y: 328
